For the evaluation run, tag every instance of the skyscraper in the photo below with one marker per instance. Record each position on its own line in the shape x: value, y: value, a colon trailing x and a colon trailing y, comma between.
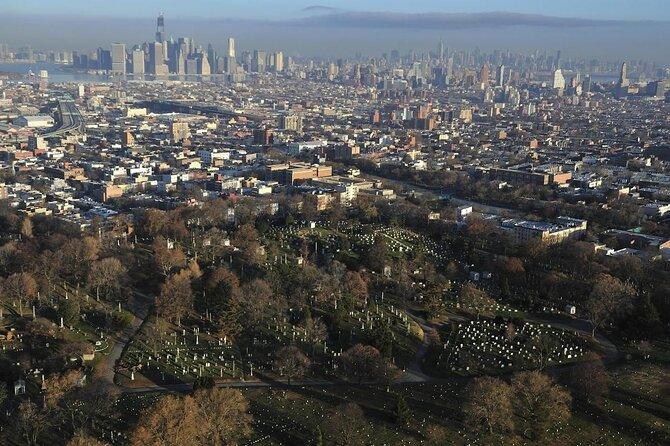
x: 258, y: 62
x: 118, y: 58
x: 559, y: 80
x: 180, y: 62
x: 104, y: 58
x: 138, y: 61
x: 212, y: 57
x: 279, y: 62
x: 192, y: 65
x: 204, y: 66
x: 450, y: 70
x: 501, y: 76
x: 4, y: 51
x: 485, y: 75
x: 231, y: 47
x: 623, y: 77
x: 440, y: 51
x: 156, y: 59
x: 186, y: 45
x: 160, y: 28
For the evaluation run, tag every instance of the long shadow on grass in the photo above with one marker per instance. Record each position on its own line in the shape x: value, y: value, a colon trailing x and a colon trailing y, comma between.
x: 605, y: 419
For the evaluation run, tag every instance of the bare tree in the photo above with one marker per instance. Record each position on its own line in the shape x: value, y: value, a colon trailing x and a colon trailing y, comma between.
x: 165, y: 258
x: 58, y: 385
x: 316, y: 330
x: 259, y: 302
x: 224, y: 414
x: 292, y: 362
x: 610, y: 297
x: 173, y: 421
x: 155, y: 333
x: 589, y: 379
x: 78, y: 256
x: 176, y: 297
x: 83, y: 439
x: 346, y: 425
x: 356, y: 287
x: 472, y: 297
x: 20, y: 287
x: 488, y: 406
x: 365, y: 363
x: 539, y: 403
x: 32, y: 422
x: 217, y: 417
x: 107, y: 275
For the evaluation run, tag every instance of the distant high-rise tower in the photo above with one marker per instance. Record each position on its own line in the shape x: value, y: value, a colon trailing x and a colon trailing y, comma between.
x: 212, y: 58
x: 258, y: 62
x: 623, y: 77
x: 449, y: 72
x: 485, y: 75
x: 160, y: 28
x: 204, y: 66
x: 157, y: 59
x: 559, y: 80
x: 118, y: 58
x: 279, y: 62
x: 501, y: 76
x: 440, y: 51
x: 138, y: 61
x: 558, y: 59
x: 231, y: 47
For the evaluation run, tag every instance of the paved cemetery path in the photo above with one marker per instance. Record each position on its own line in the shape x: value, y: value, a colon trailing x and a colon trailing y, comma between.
x: 414, y: 373
x: 187, y: 387
x: 139, y: 307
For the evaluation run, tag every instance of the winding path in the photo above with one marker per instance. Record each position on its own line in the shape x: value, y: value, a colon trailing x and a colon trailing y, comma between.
x: 139, y: 307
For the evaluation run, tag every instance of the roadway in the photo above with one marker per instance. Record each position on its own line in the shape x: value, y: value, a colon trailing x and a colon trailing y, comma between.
x: 69, y: 119
x: 437, y: 193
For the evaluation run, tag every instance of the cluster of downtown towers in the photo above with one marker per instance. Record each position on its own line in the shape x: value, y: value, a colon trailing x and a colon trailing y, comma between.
x: 181, y: 57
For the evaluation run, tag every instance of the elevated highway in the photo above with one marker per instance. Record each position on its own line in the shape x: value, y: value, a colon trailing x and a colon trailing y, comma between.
x: 68, y: 118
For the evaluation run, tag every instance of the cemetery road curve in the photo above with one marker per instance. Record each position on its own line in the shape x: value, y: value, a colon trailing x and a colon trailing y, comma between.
x: 139, y: 307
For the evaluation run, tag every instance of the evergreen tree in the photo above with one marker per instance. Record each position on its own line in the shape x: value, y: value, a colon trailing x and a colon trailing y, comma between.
x: 318, y: 437
x: 403, y: 414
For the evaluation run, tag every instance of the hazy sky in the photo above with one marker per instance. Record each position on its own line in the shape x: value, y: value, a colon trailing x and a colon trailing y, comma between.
x: 601, y: 9
x: 612, y: 29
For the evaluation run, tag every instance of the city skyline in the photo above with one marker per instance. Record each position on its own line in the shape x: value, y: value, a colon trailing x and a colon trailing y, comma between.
x: 629, y: 40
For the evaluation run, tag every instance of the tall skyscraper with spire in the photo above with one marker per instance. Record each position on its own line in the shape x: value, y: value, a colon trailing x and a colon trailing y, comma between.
x: 160, y: 28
